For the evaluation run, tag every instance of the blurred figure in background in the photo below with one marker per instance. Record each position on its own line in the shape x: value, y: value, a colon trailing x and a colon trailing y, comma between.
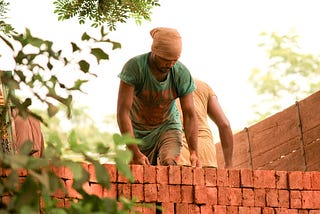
x: 18, y: 129
x: 206, y: 104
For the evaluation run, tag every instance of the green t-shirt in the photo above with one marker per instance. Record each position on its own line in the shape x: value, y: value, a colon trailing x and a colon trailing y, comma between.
x: 154, y: 110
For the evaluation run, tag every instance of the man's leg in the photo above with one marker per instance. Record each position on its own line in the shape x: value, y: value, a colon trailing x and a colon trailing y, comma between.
x: 170, y: 144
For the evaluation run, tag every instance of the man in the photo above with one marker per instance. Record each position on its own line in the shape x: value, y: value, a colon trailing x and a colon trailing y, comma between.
x: 23, y: 129
x: 206, y: 104
x: 149, y: 86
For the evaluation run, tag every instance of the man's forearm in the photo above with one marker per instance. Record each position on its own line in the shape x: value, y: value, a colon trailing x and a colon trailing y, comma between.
x: 227, y: 146
x: 191, y: 133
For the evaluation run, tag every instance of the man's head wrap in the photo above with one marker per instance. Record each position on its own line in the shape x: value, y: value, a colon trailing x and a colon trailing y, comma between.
x: 166, y: 43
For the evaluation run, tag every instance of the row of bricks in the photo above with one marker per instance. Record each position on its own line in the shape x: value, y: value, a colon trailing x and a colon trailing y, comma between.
x: 187, y: 208
x: 291, y: 180
x: 255, y: 197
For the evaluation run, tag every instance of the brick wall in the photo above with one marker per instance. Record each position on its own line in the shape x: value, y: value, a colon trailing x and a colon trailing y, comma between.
x: 189, y: 190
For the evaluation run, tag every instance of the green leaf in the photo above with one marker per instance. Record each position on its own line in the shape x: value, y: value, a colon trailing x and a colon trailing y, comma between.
x: 122, y: 159
x: 102, y: 175
x: 125, y: 139
x: 85, y: 36
x: 52, y: 110
x: 99, y: 54
x: 84, y: 66
x: 74, y: 47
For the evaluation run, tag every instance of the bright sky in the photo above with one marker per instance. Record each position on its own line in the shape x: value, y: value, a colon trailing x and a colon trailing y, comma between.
x: 220, y: 43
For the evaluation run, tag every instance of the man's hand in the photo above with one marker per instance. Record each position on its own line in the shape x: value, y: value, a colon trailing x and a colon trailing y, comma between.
x: 140, y: 159
x: 194, y: 160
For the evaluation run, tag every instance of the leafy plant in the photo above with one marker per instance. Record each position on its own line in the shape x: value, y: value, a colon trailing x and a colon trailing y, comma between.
x: 101, y: 12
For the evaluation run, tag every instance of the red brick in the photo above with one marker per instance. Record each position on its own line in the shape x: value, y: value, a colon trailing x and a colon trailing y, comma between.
x: 223, y: 194
x: 187, y: 194
x: 86, y: 188
x: 233, y: 209
x: 111, y: 192
x: 251, y: 210
x: 149, y: 209
x: 210, y: 176
x: 235, y: 196
x: 234, y: 178
x: 295, y: 199
x: 283, y: 197
x: 259, y: 197
x: 198, y: 176
x: 310, y: 199
x: 306, y: 183
x: 264, y: 179
x: 167, y: 208
x: 58, y: 171
x: 149, y: 174
x: 246, y: 178
x: 96, y: 189
x: 295, y: 180
x: 137, y: 173
x: 59, y: 203
x: 312, y: 212
x: 181, y: 208
x: 200, y: 194
x: 150, y: 192
x: 163, y: 193
x: 268, y: 210
x: 248, y: 197
x: 22, y: 172
x: 72, y: 193
x: 212, y: 194
x: 193, y: 209
x: 174, y: 175
x: 175, y: 193
x: 162, y: 174
x: 122, y: 178
x: 285, y: 210
x: 272, y: 197
x: 137, y: 192
x: 206, y: 209
x: 221, y: 209
x: 59, y: 193
x: 112, y: 172
x: 68, y: 173
x: 315, y: 180
x: 124, y: 190
x: 137, y: 209
x: 281, y: 179
x: 186, y: 175
x: 222, y: 177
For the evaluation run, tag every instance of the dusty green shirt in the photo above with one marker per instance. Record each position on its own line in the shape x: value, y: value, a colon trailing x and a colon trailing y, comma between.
x: 154, y: 110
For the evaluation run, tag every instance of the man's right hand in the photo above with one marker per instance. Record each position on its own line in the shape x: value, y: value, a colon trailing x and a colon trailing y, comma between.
x: 140, y: 159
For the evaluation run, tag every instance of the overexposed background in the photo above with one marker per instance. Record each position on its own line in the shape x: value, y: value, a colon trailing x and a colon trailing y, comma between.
x: 220, y: 44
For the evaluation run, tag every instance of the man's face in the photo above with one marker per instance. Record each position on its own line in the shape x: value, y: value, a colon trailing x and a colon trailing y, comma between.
x: 164, y: 65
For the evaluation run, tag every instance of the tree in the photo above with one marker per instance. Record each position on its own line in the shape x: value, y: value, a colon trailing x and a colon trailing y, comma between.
x: 37, y: 63
x: 290, y: 75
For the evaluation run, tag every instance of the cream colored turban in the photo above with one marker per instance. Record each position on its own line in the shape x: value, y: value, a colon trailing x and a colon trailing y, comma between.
x: 166, y: 43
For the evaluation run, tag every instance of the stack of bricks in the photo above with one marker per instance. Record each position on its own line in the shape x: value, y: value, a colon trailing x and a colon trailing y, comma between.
x: 194, y: 190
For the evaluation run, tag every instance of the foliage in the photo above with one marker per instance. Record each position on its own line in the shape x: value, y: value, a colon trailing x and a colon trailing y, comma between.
x: 4, y: 27
x: 38, y: 69
x: 41, y: 182
x: 290, y: 75
x: 34, y: 70
x: 100, y: 12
